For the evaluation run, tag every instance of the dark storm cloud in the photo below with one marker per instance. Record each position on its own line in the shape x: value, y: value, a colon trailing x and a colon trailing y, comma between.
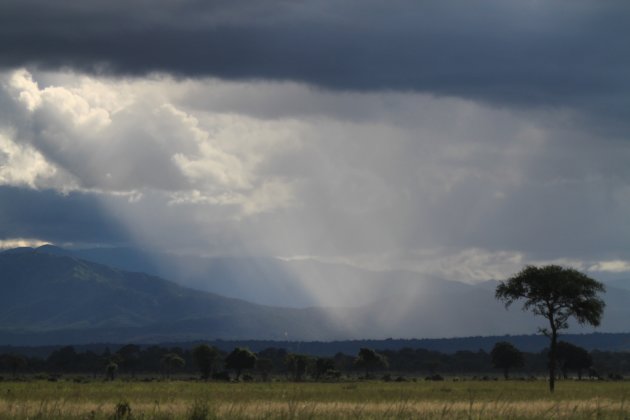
x: 53, y: 217
x: 551, y: 52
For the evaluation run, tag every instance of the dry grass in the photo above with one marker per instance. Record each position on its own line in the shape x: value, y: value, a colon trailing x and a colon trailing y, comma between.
x: 376, y: 400
x: 324, y: 410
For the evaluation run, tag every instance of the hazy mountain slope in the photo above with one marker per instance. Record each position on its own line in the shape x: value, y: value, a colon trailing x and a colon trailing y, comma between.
x: 227, y: 276
x: 368, y: 303
x: 269, y: 281
x: 44, y: 292
x: 49, y: 297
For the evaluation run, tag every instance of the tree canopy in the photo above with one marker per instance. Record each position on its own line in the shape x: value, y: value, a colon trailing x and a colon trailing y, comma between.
x: 172, y: 361
x: 239, y: 359
x: 557, y: 294
x: 572, y: 357
x: 505, y: 356
x: 205, y: 357
x: 369, y: 359
x: 298, y: 365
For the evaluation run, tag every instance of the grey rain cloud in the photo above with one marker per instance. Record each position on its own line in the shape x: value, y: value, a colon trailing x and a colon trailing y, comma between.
x: 50, y: 216
x: 379, y: 173
x: 460, y: 138
x: 570, y: 53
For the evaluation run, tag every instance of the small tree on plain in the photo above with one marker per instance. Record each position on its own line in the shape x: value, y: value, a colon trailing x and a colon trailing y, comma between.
x: 557, y: 294
x: 129, y: 356
x: 297, y: 365
x: 572, y: 357
x: 64, y: 358
x: 370, y: 360
x: 324, y: 366
x: 505, y: 356
x: 205, y: 357
x: 110, y: 370
x: 13, y: 361
x: 264, y: 367
x: 240, y: 359
x: 171, y: 361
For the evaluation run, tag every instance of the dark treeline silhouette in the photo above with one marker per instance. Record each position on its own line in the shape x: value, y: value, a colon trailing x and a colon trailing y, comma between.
x: 532, y: 343
x: 206, y: 362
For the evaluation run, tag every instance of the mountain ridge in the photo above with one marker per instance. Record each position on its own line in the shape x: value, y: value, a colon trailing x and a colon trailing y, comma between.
x: 292, y: 283
x: 53, y: 298
x: 46, y: 293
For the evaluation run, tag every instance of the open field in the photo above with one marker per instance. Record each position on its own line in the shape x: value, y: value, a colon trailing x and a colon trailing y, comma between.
x: 181, y: 400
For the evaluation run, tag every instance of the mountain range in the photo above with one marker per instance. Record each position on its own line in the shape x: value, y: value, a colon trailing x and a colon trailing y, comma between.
x: 50, y: 298
x: 54, y: 296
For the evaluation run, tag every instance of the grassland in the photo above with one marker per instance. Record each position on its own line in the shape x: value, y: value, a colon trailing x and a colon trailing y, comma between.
x: 371, y: 400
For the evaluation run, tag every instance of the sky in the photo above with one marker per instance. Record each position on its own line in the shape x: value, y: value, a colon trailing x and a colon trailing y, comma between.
x: 459, y: 139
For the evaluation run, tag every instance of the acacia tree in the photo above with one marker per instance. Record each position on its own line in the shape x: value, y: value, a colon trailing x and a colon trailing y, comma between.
x: 369, y: 359
x: 129, y: 357
x: 171, y: 361
x: 297, y: 365
x: 505, y: 356
x: 324, y: 366
x: 13, y: 362
x: 573, y: 357
x: 239, y: 359
x: 264, y: 366
x: 205, y: 357
x: 110, y: 370
x: 557, y: 294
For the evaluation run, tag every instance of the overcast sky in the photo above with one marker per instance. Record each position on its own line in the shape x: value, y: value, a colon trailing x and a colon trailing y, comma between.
x: 455, y: 138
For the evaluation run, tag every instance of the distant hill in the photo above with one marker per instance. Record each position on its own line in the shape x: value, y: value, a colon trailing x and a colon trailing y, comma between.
x: 294, y: 283
x: 376, y: 304
x: 50, y: 298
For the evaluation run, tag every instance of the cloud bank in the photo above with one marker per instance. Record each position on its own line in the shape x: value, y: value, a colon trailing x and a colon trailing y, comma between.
x: 564, y: 53
x: 382, y: 180
x: 455, y: 138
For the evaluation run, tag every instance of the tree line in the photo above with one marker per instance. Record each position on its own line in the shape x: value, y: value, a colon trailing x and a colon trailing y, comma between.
x: 206, y: 362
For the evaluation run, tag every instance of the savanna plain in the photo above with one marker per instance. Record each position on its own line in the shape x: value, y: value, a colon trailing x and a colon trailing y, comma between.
x: 449, y: 399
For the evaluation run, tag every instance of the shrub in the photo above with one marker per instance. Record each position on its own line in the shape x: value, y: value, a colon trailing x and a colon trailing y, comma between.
x: 122, y: 410
x: 221, y: 376
x: 200, y: 410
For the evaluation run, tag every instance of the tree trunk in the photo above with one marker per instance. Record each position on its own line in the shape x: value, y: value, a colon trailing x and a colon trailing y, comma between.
x: 552, y: 358
x: 505, y: 373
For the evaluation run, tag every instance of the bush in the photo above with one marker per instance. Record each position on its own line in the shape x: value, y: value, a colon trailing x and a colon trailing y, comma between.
x: 122, y: 410
x: 332, y: 374
x: 200, y: 410
x: 221, y: 376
